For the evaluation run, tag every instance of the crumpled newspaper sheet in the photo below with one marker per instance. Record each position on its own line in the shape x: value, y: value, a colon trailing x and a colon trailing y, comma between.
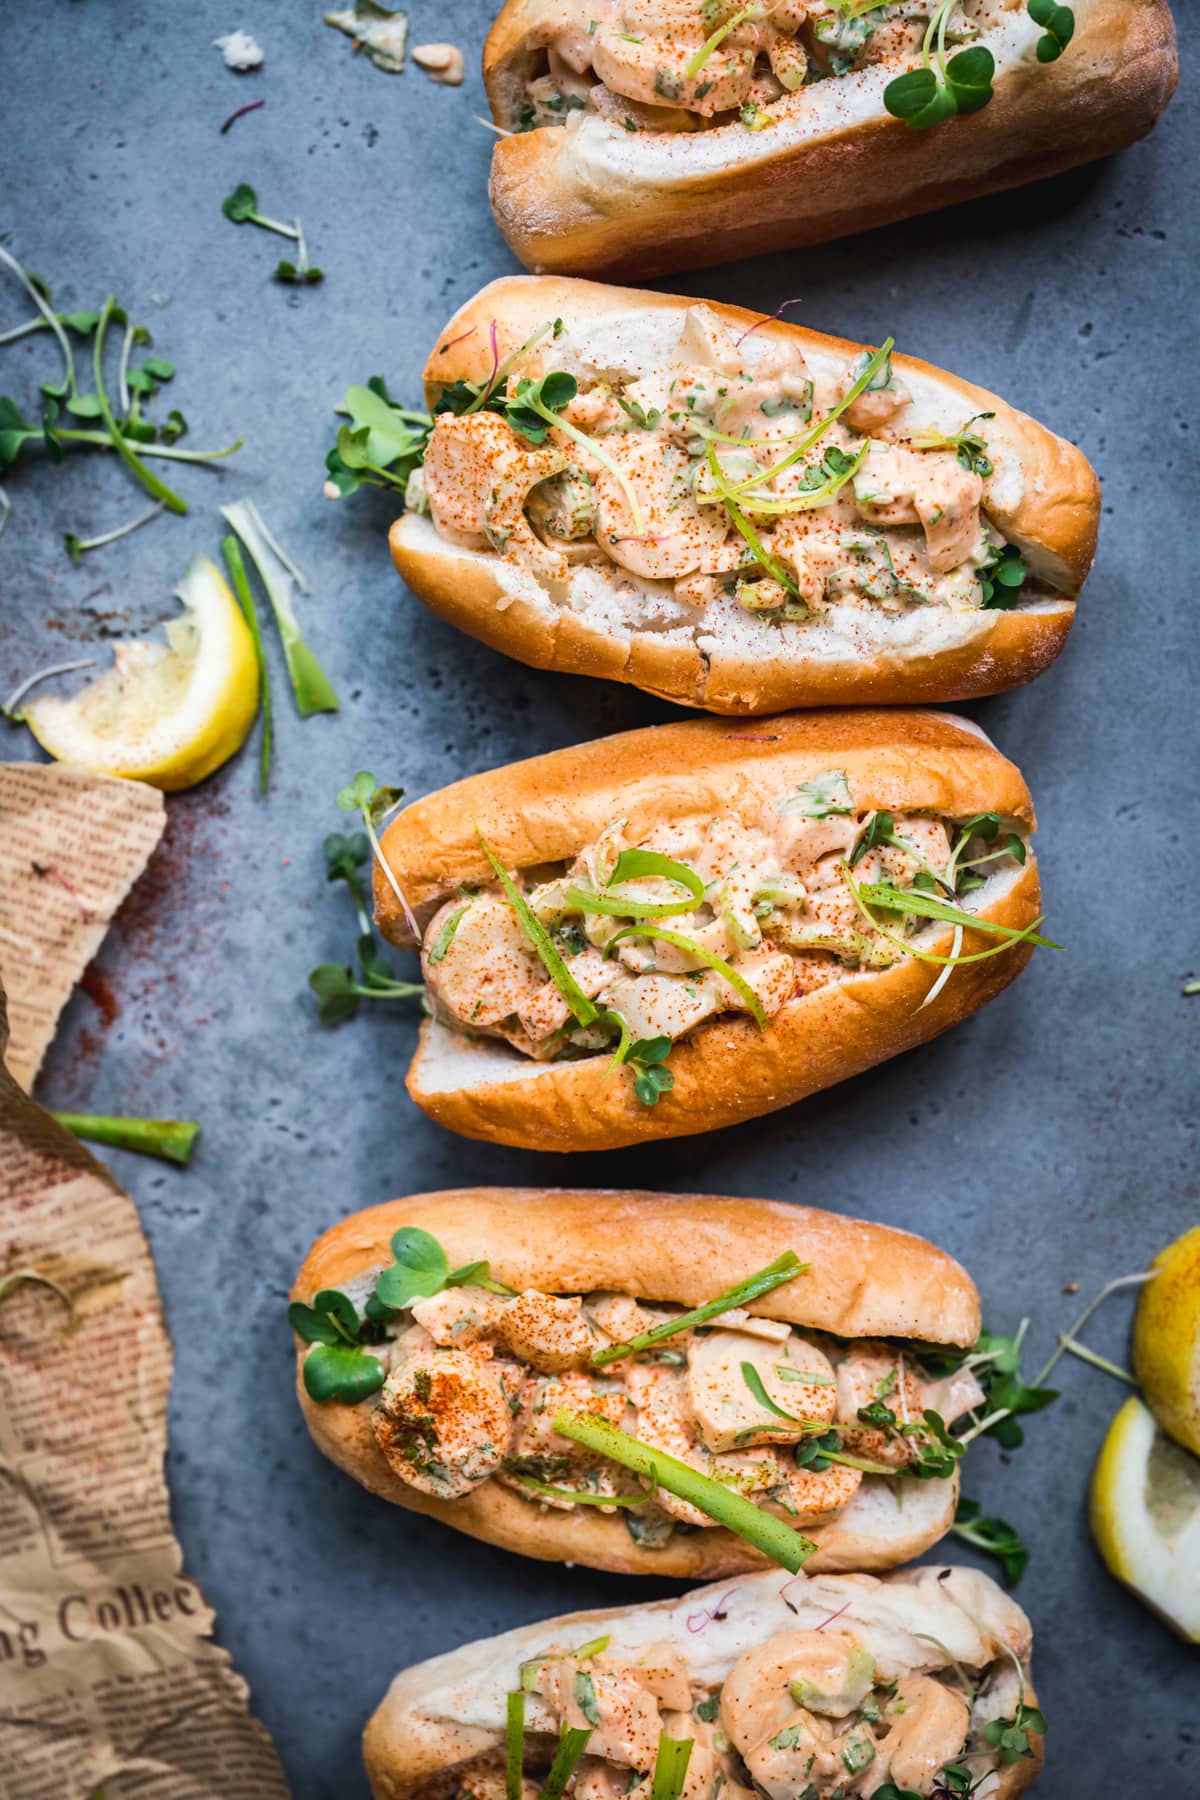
x: 110, y: 1686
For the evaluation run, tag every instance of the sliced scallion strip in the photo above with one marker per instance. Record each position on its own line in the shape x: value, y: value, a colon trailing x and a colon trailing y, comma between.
x: 767, y: 1534
x: 633, y: 864
x: 754, y: 1382
x: 670, y: 1767
x: 746, y: 531
x: 929, y: 956
x: 539, y: 937
x: 678, y: 941
x: 822, y: 426
x: 807, y: 499
x: 545, y: 1492
x: 514, y: 1744
x: 784, y: 1268
x: 928, y: 906
x: 714, y: 40
x: 572, y: 1742
x: 615, y: 902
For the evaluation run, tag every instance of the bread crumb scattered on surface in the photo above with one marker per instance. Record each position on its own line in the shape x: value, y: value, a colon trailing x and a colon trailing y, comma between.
x: 441, y: 62
x: 241, y: 51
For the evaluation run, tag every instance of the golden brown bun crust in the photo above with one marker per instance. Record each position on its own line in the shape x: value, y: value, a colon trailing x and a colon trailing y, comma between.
x: 464, y: 589
x: 1054, y: 521
x: 1107, y: 91
x: 864, y: 1281
x: 409, y: 1753
x: 726, y: 1071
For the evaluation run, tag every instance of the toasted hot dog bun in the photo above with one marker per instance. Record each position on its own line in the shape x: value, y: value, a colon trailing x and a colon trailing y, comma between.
x: 864, y: 1281
x: 1043, y: 497
x: 599, y: 200
x: 447, y: 1714
x: 544, y: 810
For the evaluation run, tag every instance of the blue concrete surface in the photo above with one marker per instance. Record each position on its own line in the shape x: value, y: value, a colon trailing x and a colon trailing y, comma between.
x: 1049, y: 1141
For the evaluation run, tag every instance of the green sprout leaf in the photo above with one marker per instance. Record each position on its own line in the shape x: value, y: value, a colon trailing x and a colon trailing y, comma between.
x: 420, y: 1269
x: 1010, y: 1737
x: 996, y: 1536
x: 969, y: 78
x: 338, y: 1368
x: 311, y: 687
x: 1058, y: 22
x: 827, y: 795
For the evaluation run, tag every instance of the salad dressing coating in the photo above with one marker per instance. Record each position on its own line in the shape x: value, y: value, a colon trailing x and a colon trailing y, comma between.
x: 727, y: 472
x: 475, y: 1380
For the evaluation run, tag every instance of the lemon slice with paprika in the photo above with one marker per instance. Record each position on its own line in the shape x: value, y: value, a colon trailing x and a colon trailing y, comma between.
x: 1145, y: 1514
x: 1166, y: 1340
x: 165, y: 713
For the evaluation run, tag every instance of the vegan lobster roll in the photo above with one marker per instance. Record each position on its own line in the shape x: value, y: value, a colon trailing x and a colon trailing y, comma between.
x: 682, y: 927
x: 732, y: 512
x: 674, y: 1385
x: 644, y: 136
x: 821, y: 1687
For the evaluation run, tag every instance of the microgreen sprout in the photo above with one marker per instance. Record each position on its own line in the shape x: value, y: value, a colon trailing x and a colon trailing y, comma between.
x: 1009, y: 1738
x: 241, y: 207
x: 421, y: 1269
x: 340, y: 1367
x: 970, y: 447
x: 942, y: 87
x: 311, y: 687
x: 382, y: 444
x: 334, y: 984
x: 77, y: 547
x: 996, y: 1536
x: 1058, y: 23
x: 123, y: 429
x: 171, y: 1140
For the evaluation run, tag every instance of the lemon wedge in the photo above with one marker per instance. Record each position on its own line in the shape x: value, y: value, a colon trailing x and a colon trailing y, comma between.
x: 166, y: 713
x: 1145, y: 1512
x: 1166, y: 1340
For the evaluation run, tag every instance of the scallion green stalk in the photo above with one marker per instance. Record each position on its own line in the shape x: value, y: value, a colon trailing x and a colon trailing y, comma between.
x: 761, y: 1530
x: 169, y: 1139
x: 784, y: 1268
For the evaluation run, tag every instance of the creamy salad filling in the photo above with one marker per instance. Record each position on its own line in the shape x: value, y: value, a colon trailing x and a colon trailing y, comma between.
x: 793, y: 1420
x: 642, y: 938
x: 731, y: 472
x: 804, y: 1715
x: 691, y: 65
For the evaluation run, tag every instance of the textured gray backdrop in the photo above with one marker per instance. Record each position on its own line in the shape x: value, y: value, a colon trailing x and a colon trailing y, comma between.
x: 1048, y: 1141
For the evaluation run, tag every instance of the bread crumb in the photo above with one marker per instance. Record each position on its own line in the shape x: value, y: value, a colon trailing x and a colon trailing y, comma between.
x: 441, y: 62
x: 241, y: 51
